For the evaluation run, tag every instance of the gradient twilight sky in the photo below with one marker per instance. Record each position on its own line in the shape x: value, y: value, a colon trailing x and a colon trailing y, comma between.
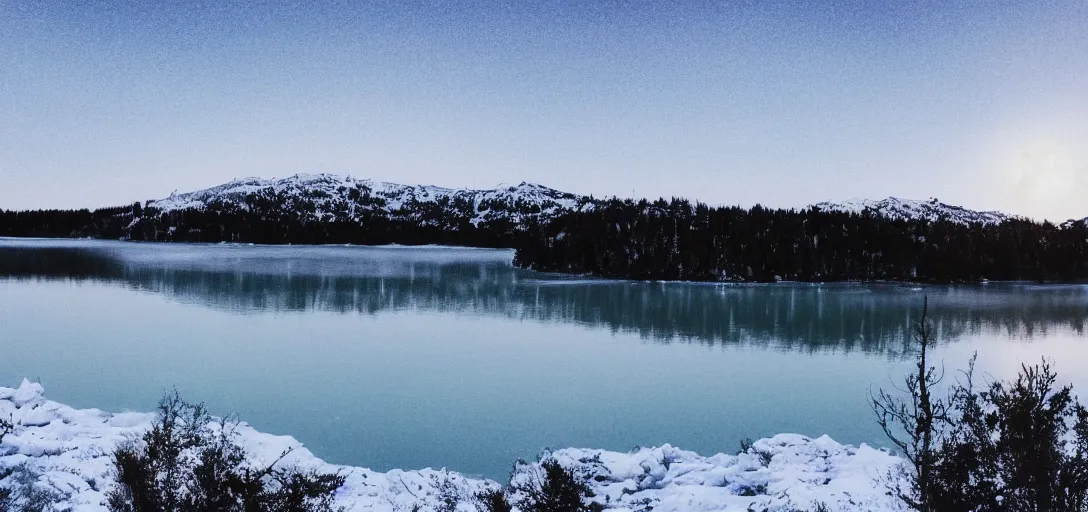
x: 983, y: 104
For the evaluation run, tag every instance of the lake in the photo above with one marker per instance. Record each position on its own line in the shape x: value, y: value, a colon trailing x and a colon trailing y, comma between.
x: 398, y: 357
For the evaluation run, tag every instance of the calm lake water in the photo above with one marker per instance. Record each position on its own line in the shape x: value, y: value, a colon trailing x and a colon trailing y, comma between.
x: 449, y: 357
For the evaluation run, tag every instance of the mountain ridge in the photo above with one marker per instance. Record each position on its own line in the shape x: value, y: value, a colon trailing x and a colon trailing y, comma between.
x: 555, y: 231
x: 535, y: 199
x: 913, y: 209
x: 331, y: 194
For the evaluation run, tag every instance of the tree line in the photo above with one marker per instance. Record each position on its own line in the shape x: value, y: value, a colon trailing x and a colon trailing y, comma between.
x: 660, y: 240
x: 109, y: 222
x: 679, y: 240
x: 270, y: 225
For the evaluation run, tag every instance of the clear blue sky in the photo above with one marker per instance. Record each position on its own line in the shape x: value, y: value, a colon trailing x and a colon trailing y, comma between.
x: 983, y: 104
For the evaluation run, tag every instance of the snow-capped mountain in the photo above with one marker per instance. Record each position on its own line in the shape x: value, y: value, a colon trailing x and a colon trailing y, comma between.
x: 325, y: 197
x: 329, y: 197
x: 906, y: 209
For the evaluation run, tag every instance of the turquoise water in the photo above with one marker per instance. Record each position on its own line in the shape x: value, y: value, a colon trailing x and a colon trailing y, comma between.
x: 448, y: 357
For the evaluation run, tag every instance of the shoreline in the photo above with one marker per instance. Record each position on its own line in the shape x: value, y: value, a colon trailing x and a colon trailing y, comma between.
x: 559, y: 276
x: 69, y: 450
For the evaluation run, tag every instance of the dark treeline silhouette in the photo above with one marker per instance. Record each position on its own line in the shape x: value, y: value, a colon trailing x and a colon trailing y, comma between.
x: 680, y: 240
x: 264, y: 223
x: 274, y: 225
x: 101, y: 223
x: 673, y: 240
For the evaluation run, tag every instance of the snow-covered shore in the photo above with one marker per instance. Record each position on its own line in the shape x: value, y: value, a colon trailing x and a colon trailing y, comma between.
x: 70, y: 451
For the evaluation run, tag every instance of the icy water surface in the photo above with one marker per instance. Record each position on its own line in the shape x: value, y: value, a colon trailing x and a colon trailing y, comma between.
x: 416, y: 357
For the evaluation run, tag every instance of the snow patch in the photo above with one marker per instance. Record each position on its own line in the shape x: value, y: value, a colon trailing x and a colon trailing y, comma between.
x: 70, y: 449
x: 325, y: 197
x: 909, y: 209
x: 332, y: 195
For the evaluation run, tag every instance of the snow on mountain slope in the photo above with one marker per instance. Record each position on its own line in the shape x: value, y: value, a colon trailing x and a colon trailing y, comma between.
x: 326, y: 195
x: 1074, y: 222
x: 69, y: 451
x: 931, y: 210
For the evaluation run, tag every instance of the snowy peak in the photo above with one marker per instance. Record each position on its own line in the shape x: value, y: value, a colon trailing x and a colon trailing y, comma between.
x: 326, y: 197
x: 911, y: 209
x: 309, y: 184
x: 329, y: 196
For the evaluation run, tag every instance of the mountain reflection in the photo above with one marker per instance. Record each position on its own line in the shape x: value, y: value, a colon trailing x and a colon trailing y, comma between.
x: 847, y: 317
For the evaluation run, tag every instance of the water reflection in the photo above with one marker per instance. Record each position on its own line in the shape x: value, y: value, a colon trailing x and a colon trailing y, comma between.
x: 848, y: 317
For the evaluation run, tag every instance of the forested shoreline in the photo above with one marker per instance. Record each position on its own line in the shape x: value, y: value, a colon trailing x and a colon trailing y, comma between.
x: 627, y: 239
x: 679, y: 240
x: 267, y: 226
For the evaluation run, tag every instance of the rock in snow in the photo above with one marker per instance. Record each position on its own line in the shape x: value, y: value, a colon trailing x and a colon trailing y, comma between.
x: 69, y: 449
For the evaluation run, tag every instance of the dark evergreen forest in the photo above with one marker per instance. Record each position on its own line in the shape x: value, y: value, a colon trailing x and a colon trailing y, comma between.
x: 100, y: 223
x: 630, y: 239
x: 680, y: 240
x: 269, y: 224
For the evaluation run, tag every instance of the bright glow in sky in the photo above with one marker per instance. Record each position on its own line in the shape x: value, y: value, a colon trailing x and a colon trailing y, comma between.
x: 983, y: 104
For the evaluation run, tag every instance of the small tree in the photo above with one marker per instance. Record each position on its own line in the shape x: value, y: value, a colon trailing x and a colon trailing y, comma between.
x: 19, y: 489
x: 966, y: 472
x: 554, y: 488
x: 25, y: 494
x: 544, y: 487
x: 493, y: 500
x: 447, y: 492
x: 1018, y: 446
x: 1013, y: 447
x: 187, y: 462
x: 914, y: 425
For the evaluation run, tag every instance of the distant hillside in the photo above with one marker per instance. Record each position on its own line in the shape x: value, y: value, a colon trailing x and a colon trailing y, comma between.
x: 328, y: 197
x: 889, y: 239
x: 911, y: 209
x: 326, y: 208
x: 892, y: 240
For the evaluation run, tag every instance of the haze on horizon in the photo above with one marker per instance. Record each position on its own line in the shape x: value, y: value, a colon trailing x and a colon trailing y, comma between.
x: 781, y: 103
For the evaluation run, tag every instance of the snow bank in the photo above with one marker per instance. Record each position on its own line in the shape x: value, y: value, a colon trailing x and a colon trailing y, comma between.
x: 70, y: 450
x: 783, y: 473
